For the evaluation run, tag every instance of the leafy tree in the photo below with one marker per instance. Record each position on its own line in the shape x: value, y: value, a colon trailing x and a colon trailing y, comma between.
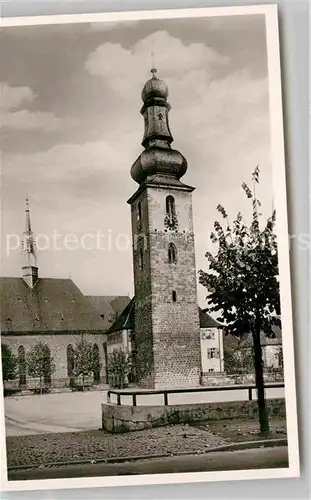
x: 119, y: 368
x: 40, y: 364
x: 85, y: 362
x: 9, y: 363
x: 238, y: 359
x: 242, y: 281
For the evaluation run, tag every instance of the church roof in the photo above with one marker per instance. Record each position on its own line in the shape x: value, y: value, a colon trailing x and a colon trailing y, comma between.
x: 52, y: 305
x: 126, y: 320
x: 108, y: 307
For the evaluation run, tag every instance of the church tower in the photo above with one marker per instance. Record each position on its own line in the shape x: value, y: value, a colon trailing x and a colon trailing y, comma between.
x: 167, y: 331
x: 30, y: 269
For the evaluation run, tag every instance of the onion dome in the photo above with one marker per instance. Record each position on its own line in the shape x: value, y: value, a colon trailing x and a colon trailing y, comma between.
x: 154, y: 88
x: 158, y: 160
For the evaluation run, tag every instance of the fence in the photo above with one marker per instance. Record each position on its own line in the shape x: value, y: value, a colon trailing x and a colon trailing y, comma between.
x: 194, y: 395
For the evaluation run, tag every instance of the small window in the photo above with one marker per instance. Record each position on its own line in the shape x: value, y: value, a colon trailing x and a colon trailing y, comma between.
x: 172, y: 253
x: 212, y: 353
x: 170, y: 205
x: 211, y: 369
x: 174, y: 296
x: 210, y: 335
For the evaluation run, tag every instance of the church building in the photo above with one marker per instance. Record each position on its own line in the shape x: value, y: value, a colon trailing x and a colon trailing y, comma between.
x: 173, y: 342
x: 56, y: 313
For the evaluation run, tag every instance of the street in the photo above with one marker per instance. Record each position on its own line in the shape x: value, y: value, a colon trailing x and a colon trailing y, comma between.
x: 258, y: 458
x: 63, y: 412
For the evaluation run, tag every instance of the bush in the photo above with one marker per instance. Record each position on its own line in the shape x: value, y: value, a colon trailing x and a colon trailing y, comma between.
x: 10, y: 392
x: 119, y: 368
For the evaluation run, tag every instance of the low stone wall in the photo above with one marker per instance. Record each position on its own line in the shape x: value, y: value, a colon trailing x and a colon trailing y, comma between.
x: 132, y: 418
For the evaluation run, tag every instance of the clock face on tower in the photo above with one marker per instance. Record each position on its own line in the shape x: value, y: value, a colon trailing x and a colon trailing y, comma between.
x: 171, y: 222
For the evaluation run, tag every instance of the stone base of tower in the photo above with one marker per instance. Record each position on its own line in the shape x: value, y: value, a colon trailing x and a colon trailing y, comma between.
x: 169, y: 379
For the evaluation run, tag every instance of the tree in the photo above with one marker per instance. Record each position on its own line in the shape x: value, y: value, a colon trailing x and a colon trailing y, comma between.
x: 85, y: 362
x: 238, y: 358
x: 40, y: 364
x: 9, y: 363
x: 242, y: 281
x: 119, y: 367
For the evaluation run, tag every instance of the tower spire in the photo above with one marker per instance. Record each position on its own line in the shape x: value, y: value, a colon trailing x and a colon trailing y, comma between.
x: 30, y: 269
x: 158, y: 162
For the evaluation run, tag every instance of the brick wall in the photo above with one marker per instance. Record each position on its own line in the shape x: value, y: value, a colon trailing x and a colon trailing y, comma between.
x: 143, y: 296
x: 167, y: 331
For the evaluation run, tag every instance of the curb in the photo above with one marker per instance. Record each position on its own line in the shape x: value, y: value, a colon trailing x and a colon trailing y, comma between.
x: 246, y: 445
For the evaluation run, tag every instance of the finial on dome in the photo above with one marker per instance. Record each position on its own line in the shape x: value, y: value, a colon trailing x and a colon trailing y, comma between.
x: 153, y: 71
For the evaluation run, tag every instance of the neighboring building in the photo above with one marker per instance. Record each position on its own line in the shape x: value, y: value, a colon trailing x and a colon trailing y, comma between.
x: 212, y: 349
x: 272, y: 350
x: 121, y: 335
x: 55, y: 312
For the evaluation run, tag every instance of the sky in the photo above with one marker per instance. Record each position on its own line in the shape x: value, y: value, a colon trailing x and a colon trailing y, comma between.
x: 71, y: 129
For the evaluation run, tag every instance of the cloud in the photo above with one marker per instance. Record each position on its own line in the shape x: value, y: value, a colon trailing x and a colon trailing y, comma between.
x: 219, y: 120
x: 27, y: 120
x: 125, y: 70
x: 12, y: 98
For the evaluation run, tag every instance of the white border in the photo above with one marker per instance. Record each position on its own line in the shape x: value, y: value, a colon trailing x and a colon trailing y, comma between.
x: 278, y: 161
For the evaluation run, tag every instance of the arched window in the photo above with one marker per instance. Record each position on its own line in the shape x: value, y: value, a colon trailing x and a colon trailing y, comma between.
x: 141, y: 259
x: 21, y: 365
x: 172, y: 253
x: 96, y: 364
x: 170, y: 205
x: 139, y: 211
x: 70, y: 360
x: 47, y: 366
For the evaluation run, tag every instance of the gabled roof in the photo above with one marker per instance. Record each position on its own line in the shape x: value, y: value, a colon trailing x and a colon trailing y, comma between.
x: 206, y: 321
x: 108, y: 307
x: 52, y: 305
x: 126, y: 320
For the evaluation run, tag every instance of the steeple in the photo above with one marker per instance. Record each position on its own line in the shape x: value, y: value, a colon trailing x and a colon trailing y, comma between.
x: 30, y: 269
x: 158, y: 162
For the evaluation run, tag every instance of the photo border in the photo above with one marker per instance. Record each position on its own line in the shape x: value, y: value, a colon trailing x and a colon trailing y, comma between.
x: 279, y: 184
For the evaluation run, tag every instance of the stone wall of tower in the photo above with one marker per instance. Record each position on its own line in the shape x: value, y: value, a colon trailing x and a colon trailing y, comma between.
x: 143, y: 297
x: 176, y: 329
x: 167, y: 331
